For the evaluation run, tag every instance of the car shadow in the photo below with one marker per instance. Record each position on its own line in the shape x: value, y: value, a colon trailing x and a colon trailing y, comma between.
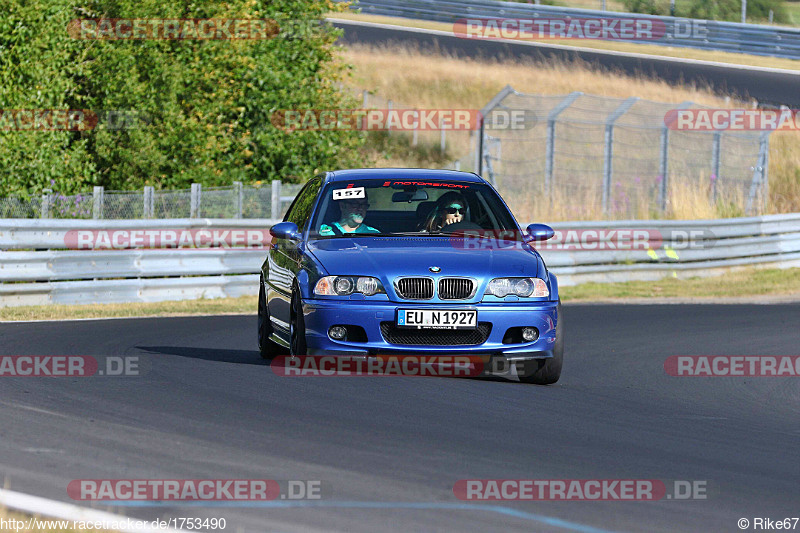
x: 240, y: 357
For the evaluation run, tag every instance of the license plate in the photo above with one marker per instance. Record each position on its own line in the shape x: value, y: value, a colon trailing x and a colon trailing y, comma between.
x: 437, y: 319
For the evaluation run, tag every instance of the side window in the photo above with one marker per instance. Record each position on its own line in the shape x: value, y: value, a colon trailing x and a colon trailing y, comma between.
x: 300, y: 211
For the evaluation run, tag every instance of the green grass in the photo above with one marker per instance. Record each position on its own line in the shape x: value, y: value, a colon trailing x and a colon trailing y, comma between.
x: 383, y: 149
x: 793, y: 12
x: 733, y: 285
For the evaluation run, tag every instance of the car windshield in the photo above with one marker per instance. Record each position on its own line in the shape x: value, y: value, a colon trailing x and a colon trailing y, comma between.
x: 398, y: 206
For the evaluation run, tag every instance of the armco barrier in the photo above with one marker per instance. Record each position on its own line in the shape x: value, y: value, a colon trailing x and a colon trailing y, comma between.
x: 691, y: 33
x: 35, y: 267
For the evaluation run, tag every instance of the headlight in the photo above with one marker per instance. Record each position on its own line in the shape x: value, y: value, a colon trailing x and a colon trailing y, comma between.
x: 344, y: 285
x: 522, y: 287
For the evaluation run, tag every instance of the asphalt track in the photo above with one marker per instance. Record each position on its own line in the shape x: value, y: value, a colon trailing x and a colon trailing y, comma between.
x: 768, y: 86
x: 389, y: 450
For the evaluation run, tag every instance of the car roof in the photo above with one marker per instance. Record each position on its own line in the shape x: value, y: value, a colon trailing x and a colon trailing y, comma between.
x: 402, y: 173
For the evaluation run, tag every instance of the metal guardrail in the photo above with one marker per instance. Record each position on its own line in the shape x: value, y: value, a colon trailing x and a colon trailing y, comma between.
x: 53, y: 275
x: 17, y: 234
x: 696, y: 248
x: 691, y: 33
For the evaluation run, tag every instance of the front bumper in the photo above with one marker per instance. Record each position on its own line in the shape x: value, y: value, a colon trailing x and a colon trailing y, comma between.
x: 320, y: 315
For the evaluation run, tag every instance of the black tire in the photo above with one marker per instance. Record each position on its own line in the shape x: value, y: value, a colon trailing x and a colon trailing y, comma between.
x: 297, y: 325
x: 268, y: 348
x: 547, y: 371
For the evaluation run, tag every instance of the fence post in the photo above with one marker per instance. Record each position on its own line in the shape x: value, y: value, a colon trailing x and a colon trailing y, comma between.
x: 364, y: 94
x: 149, y: 201
x: 481, y: 140
x: 608, y: 152
x: 46, y: 195
x: 476, y: 160
x: 488, y: 108
x: 196, y: 195
x: 488, y: 142
x: 389, y: 106
x: 239, y: 190
x: 442, y: 137
x: 759, y: 173
x: 663, y: 168
x: 765, y: 172
x: 716, y: 146
x: 415, y: 133
x: 97, y: 202
x: 550, y: 143
x: 275, y: 211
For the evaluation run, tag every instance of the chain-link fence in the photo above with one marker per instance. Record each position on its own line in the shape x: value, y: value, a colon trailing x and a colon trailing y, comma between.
x: 236, y: 201
x: 594, y: 157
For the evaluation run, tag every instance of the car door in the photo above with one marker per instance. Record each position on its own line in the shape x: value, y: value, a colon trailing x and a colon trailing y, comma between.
x: 285, y: 258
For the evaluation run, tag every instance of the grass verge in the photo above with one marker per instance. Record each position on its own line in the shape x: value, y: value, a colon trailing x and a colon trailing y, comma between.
x: 745, y: 283
x: 221, y: 306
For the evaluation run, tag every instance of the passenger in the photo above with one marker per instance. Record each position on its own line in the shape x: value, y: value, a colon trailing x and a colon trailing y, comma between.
x: 352, y: 220
x: 450, y: 209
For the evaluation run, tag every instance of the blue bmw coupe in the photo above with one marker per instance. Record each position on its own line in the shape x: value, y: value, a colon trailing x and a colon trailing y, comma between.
x: 375, y: 262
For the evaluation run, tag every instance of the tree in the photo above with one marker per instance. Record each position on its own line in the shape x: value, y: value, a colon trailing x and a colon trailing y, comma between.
x: 200, y: 108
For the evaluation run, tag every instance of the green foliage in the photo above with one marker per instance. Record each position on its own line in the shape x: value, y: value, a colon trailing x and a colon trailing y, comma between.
x: 545, y: 2
x: 649, y: 7
x: 397, y: 146
x: 206, y: 104
x: 730, y: 10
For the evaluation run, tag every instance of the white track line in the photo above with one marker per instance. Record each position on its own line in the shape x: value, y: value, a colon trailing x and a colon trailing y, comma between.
x: 66, y: 511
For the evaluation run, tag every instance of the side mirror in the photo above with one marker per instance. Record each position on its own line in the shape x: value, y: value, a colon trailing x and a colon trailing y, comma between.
x: 540, y: 232
x: 285, y: 230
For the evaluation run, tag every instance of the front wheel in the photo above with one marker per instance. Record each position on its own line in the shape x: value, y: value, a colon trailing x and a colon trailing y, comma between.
x: 268, y: 348
x: 297, y: 325
x: 547, y: 371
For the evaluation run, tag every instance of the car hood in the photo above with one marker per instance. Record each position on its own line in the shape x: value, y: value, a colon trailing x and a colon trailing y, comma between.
x: 389, y: 257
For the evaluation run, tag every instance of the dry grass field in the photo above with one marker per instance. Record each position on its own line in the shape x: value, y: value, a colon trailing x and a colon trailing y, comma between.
x: 433, y: 81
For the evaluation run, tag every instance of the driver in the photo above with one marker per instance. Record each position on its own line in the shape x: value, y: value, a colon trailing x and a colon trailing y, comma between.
x: 450, y: 209
x: 352, y: 221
